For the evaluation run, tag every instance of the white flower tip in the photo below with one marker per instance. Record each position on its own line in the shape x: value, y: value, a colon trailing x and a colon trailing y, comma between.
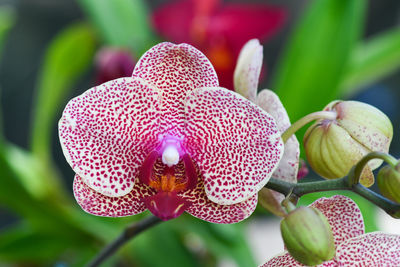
x: 248, y: 68
x: 170, y: 156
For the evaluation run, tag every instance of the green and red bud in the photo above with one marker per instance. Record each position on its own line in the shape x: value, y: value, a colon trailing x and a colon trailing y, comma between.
x: 308, y: 236
x: 334, y: 146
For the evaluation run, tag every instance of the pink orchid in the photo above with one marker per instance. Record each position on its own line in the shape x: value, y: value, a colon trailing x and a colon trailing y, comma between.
x: 170, y: 140
x: 246, y: 77
x: 218, y: 29
x: 354, y: 247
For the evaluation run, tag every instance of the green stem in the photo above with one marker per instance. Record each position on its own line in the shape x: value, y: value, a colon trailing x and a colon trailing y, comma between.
x: 387, y: 205
x: 329, y: 115
x: 355, y: 172
x: 129, y: 233
x: 301, y: 189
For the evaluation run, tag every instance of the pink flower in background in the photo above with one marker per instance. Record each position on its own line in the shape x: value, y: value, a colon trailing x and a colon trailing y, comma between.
x: 354, y: 247
x: 218, y: 29
x: 112, y: 63
x: 170, y: 140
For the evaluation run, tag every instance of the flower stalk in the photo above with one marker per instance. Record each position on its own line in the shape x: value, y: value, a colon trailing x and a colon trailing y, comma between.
x: 355, y: 172
x: 328, y: 115
x: 301, y: 189
x: 130, y: 232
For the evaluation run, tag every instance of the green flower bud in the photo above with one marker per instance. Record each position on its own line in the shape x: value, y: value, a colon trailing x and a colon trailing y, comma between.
x: 389, y: 182
x: 308, y: 236
x: 334, y: 146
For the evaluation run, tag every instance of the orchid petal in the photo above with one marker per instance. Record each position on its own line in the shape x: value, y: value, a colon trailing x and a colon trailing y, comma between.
x: 176, y: 70
x: 248, y: 68
x: 372, y: 249
x: 107, y: 132
x: 207, y: 210
x: 289, y: 164
x: 286, y: 260
x: 343, y: 215
x: 98, y: 204
x: 236, y: 144
x: 282, y: 260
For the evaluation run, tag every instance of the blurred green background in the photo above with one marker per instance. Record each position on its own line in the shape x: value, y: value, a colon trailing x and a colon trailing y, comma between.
x: 314, y: 52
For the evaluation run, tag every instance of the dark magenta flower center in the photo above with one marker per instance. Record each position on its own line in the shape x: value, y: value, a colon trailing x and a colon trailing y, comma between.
x: 169, y: 170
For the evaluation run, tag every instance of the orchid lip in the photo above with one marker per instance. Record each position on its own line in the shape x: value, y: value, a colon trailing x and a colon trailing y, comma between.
x: 168, y: 169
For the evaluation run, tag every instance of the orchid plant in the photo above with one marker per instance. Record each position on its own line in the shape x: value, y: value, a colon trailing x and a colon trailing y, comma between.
x: 170, y: 140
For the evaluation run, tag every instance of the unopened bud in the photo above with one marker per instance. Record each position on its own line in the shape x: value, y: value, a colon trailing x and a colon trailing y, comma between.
x: 112, y: 63
x: 334, y: 146
x: 389, y: 182
x: 308, y: 236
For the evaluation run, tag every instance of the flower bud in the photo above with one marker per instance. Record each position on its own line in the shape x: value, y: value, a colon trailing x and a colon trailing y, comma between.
x: 112, y: 63
x: 389, y: 182
x: 333, y: 146
x: 308, y: 236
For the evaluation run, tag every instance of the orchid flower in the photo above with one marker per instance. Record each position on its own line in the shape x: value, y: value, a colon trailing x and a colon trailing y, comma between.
x: 218, y: 28
x: 354, y: 247
x: 246, y: 77
x: 170, y: 140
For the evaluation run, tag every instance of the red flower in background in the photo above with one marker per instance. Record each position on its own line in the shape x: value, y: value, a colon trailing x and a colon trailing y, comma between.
x: 218, y: 29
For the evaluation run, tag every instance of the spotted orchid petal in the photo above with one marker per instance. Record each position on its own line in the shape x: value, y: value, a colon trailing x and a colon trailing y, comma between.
x: 101, y: 205
x: 207, y: 210
x: 343, y: 215
x: 285, y: 260
x: 282, y: 260
x: 248, y: 68
x: 289, y: 164
x: 236, y: 145
x: 372, y: 249
x: 175, y: 70
x: 106, y: 133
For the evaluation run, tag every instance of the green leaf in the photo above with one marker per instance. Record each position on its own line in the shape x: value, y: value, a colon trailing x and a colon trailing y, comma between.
x: 372, y: 60
x: 69, y: 55
x: 313, y: 63
x: 122, y: 23
x: 12, y: 193
x: 368, y: 209
x: 7, y: 19
x: 161, y: 246
x: 21, y: 244
x: 222, y: 241
x: 30, y: 172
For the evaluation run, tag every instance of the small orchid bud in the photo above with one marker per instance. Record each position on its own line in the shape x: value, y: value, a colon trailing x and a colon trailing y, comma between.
x: 308, y: 236
x: 389, y: 182
x: 333, y: 146
x: 112, y: 63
